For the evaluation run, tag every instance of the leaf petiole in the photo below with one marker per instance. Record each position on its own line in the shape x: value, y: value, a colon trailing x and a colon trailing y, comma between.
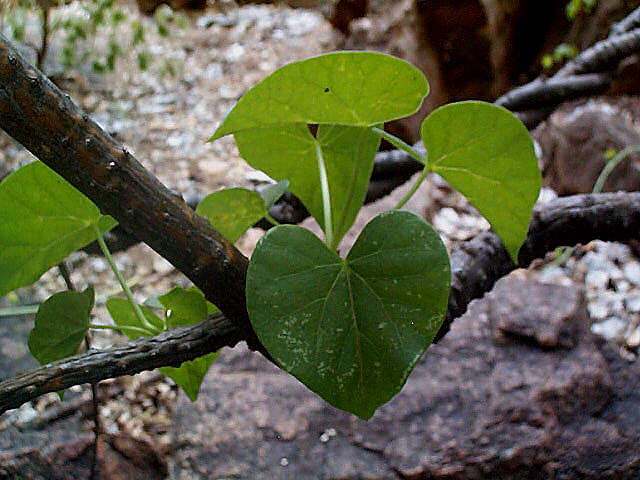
x: 612, y: 164
x: 127, y: 291
x: 326, y: 198
x: 142, y: 331
x: 413, y: 189
x: 396, y: 142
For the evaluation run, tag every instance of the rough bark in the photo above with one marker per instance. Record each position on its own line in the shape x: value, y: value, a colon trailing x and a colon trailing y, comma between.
x: 48, y: 124
x: 476, y: 266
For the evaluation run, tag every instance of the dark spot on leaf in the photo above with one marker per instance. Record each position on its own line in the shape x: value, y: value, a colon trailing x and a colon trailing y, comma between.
x: 326, y: 90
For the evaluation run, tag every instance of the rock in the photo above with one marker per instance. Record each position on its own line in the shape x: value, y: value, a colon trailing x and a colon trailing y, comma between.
x: 518, y: 385
x: 574, y: 142
x: 61, y: 452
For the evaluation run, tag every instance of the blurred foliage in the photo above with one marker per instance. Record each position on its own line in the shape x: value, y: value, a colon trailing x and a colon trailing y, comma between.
x: 89, y: 32
x: 575, y: 7
x: 561, y: 53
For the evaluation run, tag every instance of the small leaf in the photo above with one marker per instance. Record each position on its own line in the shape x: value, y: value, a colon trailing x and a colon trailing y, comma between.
x: 345, y: 88
x: 486, y: 153
x: 351, y: 330
x: 124, y: 316
x: 184, y: 306
x: 43, y: 219
x: 61, y: 324
x: 190, y: 374
x: 289, y: 151
x: 272, y: 193
x: 232, y: 211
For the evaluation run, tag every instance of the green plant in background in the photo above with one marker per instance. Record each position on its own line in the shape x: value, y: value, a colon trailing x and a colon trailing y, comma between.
x: 82, y: 29
x: 576, y: 7
x: 350, y: 326
x: 561, y: 54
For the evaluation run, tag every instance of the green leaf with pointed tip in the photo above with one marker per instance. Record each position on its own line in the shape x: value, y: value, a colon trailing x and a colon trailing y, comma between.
x: 124, y: 316
x: 190, y: 374
x: 345, y: 88
x: 289, y: 151
x: 42, y: 220
x: 232, y: 211
x: 272, y: 193
x: 184, y: 306
x: 351, y: 330
x: 61, y: 324
x: 486, y: 153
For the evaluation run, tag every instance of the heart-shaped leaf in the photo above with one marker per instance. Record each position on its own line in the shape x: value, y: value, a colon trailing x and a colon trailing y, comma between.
x: 289, y: 151
x: 190, y: 374
x: 351, y: 330
x: 486, y: 153
x: 42, y: 220
x: 61, y: 324
x: 232, y: 211
x: 345, y: 88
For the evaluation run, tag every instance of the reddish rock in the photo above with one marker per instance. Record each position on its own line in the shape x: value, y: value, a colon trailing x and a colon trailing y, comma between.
x: 574, y: 143
x: 515, y: 390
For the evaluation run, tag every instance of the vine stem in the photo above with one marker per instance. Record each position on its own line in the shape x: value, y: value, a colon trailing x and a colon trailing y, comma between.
x: 398, y: 143
x: 412, y: 152
x: 326, y: 198
x: 123, y: 328
x: 413, y: 189
x: 127, y: 291
x: 612, y: 164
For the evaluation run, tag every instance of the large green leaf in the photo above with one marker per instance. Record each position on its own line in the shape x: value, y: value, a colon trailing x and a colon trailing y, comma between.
x: 232, y: 211
x: 42, y: 220
x: 61, y: 324
x: 486, y: 153
x: 289, y: 151
x: 351, y: 330
x: 346, y: 88
x: 190, y: 374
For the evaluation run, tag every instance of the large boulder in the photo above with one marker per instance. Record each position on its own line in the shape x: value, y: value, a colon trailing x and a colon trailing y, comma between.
x: 574, y: 143
x: 519, y: 388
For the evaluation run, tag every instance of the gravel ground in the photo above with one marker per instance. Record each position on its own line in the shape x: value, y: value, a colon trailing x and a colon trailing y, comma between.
x: 165, y: 121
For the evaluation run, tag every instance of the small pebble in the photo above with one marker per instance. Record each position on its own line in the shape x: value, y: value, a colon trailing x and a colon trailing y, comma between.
x: 632, y: 304
x: 632, y: 272
x: 596, y: 279
x: 611, y: 329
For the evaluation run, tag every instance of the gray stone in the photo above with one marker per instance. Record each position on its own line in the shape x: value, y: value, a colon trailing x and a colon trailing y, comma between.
x: 632, y: 272
x: 519, y: 385
x: 573, y: 144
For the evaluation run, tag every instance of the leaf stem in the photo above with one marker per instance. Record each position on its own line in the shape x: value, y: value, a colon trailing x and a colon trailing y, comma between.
x: 413, y: 189
x: 326, y: 198
x: 613, y: 163
x: 123, y: 328
x: 396, y: 142
x: 127, y: 291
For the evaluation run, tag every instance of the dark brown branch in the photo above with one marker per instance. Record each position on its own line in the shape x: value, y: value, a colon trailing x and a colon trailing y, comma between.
x: 628, y: 23
x: 604, y: 55
x: 170, y: 348
x: 580, y: 218
x: 543, y: 92
x: 46, y: 122
x: 476, y: 266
